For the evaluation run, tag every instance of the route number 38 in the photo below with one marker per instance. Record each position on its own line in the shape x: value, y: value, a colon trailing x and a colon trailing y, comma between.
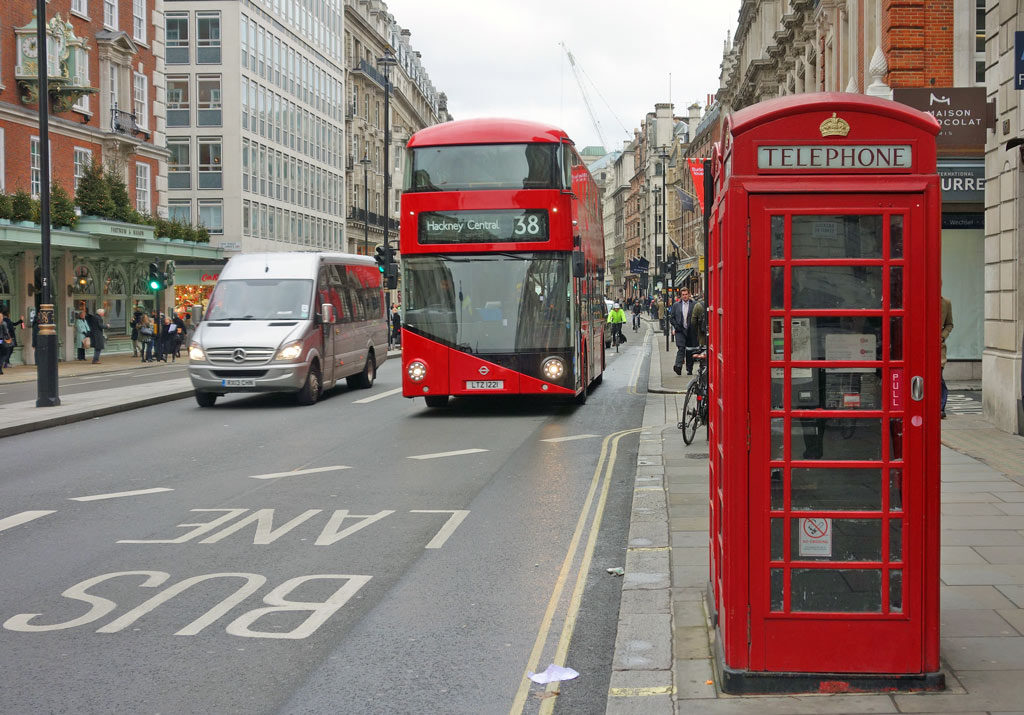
x: 527, y: 225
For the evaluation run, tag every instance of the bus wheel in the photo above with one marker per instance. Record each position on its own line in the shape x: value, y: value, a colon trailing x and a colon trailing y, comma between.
x: 310, y: 392
x: 367, y: 376
x: 206, y: 399
x: 436, y: 400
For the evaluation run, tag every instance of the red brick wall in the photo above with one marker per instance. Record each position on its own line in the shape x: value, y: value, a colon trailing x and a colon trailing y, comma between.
x: 17, y: 13
x: 917, y: 38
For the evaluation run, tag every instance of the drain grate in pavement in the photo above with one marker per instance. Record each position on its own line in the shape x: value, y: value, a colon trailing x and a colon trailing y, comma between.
x: 697, y: 455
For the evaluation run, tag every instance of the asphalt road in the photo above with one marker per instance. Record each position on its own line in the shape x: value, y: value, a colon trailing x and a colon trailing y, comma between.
x: 154, y: 372
x: 363, y: 555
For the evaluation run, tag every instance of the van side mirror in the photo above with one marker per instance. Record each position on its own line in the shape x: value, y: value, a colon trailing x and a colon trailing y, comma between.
x: 579, y: 268
x: 327, y: 316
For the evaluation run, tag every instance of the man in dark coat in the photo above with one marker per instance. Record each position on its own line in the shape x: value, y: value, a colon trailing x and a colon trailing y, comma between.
x: 396, y: 326
x: 96, y: 336
x: 12, y: 334
x: 681, y: 317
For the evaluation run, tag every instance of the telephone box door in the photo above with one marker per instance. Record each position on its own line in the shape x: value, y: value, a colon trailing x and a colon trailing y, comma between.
x: 836, y: 449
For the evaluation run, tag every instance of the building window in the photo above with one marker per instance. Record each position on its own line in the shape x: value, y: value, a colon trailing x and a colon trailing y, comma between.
x: 80, y: 7
x: 178, y: 106
x: 211, y: 170
x: 139, y: 20
x: 180, y: 210
x: 110, y: 14
x: 211, y: 215
x: 81, y: 78
x: 208, y: 38
x: 979, y: 42
x: 141, y: 100
x: 176, y: 24
x: 179, y: 163
x: 83, y: 158
x: 113, y: 76
x: 142, y: 188
x: 208, y: 102
x: 34, y: 179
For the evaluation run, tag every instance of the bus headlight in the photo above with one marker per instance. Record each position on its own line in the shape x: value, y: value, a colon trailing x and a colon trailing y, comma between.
x: 417, y: 370
x: 290, y: 352
x: 195, y: 352
x: 553, y: 368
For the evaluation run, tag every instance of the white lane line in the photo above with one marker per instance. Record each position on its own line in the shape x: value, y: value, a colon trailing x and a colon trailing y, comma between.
x: 19, y: 519
x: 570, y: 439
x: 297, y: 472
x: 448, y: 454
x: 115, y: 495
x: 456, y: 518
x: 382, y: 395
x: 92, y: 381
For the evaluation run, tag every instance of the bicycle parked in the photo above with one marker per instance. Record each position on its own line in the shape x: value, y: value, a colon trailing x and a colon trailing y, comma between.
x: 695, y: 404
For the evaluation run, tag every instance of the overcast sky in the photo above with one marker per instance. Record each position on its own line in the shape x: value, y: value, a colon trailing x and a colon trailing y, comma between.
x: 503, y: 57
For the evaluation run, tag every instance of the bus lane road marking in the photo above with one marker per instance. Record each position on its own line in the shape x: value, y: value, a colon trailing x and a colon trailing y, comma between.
x: 22, y: 518
x: 447, y: 454
x: 117, y: 495
x: 298, y: 472
x: 570, y: 439
x: 381, y: 396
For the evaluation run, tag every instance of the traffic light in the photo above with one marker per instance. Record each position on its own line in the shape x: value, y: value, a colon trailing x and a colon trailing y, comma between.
x: 156, y: 278
x: 168, y: 273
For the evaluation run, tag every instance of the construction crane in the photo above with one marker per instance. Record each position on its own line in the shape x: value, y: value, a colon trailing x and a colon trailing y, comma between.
x: 583, y: 91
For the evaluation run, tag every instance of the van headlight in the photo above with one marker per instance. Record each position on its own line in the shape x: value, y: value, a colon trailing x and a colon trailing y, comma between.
x: 195, y: 352
x: 417, y: 370
x: 290, y: 352
x: 553, y: 368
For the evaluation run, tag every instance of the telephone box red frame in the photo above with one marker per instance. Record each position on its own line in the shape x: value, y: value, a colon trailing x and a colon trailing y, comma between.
x: 792, y: 164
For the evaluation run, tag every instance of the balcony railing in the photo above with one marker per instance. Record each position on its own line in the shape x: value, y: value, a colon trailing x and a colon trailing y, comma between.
x: 372, y: 72
x: 124, y: 123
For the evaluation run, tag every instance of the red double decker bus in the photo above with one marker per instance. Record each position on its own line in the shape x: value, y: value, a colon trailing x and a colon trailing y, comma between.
x: 502, y: 263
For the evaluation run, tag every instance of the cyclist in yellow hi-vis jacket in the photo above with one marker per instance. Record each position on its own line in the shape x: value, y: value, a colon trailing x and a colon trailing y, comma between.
x: 616, y: 319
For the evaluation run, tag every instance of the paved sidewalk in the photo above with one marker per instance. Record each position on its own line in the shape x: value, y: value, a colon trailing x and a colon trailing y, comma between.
x: 76, y: 368
x: 665, y: 639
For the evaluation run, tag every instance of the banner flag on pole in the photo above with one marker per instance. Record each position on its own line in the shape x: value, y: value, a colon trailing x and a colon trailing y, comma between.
x: 685, y: 199
x: 697, y: 170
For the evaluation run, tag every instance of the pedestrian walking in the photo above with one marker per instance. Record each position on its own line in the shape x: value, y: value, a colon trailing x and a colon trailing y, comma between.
x: 681, y: 317
x: 5, y: 344
x: 396, y: 326
x: 12, y: 334
x: 136, y: 323
x: 146, y: 335
x: 947, y: 328
x: 179, y: 333
x: 97, y: 337
x: 82, y: 340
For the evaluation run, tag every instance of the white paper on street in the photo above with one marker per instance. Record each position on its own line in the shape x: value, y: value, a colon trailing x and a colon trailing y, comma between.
x: 552, y: 674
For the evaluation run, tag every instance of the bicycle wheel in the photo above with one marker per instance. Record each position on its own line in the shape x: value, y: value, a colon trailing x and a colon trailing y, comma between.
x: 691, y: 413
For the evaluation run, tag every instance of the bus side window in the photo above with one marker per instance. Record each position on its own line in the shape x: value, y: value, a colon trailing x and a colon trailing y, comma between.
x: 341, y: 305
x: 323, y: 288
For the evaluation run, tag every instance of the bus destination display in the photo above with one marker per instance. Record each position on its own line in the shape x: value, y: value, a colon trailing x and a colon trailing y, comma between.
x: 493, y: 226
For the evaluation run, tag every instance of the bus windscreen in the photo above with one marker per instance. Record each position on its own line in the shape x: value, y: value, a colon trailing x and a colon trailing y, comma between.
x: 484, y: 167
x: 490, y: 303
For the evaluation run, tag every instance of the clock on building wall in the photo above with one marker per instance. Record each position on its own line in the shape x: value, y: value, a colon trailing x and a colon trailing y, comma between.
x: 29, y: 47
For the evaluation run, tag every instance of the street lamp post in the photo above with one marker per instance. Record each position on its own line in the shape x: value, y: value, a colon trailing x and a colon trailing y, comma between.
x: 387, y: 62
x: 365, y: 161
x: 46, y: 339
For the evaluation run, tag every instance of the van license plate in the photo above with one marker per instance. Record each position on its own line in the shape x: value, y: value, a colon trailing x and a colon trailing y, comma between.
x: 485, y: 384
x: 238, y: 382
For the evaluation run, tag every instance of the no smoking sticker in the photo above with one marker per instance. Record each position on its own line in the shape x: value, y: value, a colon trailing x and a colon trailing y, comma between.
x: 815, y: 537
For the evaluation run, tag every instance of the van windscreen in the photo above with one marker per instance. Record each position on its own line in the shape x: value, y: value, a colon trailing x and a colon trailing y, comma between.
x: 261, y: 299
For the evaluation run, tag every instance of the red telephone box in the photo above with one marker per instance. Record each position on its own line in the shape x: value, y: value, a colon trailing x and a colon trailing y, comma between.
x: 824, y: 286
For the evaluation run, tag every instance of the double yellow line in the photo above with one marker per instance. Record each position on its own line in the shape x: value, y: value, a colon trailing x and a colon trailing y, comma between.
x: 600, y: 484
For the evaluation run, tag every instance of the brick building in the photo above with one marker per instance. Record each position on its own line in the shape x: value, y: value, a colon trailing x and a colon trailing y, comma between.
x: 106, y: 92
